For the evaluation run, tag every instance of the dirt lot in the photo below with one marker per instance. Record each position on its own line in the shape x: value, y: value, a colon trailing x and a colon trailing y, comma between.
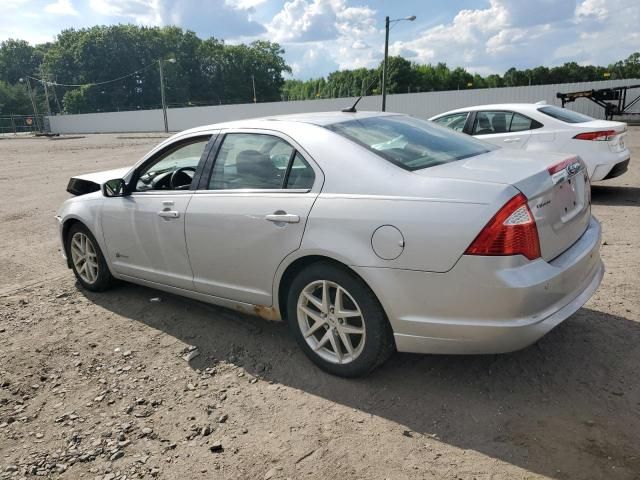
x: 95, y: 386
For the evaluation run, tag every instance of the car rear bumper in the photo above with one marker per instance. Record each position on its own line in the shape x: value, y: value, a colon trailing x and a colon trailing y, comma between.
x: 611, y: 168
x: 487, y: 304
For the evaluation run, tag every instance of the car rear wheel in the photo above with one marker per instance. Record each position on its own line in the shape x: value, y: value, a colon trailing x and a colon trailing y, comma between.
x: 87, y: 260
x: 337, y: 321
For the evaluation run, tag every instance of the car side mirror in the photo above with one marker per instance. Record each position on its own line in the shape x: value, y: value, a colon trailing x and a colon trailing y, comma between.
x: 115, y: 188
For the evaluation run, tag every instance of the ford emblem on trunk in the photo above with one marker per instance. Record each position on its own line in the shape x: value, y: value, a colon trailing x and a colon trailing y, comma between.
x: 573, y: 168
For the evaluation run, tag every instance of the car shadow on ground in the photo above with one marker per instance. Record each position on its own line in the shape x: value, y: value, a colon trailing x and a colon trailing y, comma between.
x: 615, y: 196
x: 547, y: 409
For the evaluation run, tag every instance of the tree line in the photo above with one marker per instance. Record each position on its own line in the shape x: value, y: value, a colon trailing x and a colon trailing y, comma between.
x: 405, y: 77
x: 75, y: 67
x: 74, y: 73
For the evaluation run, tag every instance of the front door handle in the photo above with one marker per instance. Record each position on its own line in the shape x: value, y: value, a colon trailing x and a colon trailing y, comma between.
x: 511, y: 140
x: 169, y: 214
x: 282, y: 218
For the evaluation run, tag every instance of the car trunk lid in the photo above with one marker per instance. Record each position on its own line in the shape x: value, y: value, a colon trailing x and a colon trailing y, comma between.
x: 616, y: 133
x: 556, y: 186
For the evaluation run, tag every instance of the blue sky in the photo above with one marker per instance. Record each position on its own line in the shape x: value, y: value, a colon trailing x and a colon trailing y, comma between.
x: 319, y: 36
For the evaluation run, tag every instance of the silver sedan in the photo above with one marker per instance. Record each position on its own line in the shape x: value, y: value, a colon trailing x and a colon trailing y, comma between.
x: 366, y: 232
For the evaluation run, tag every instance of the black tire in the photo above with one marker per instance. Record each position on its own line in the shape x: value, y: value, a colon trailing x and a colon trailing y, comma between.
x: 378, y: 343
x: 104, y: 280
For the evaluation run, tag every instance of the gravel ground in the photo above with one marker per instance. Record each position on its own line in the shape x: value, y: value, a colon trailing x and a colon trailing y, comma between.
x: 96, y: 386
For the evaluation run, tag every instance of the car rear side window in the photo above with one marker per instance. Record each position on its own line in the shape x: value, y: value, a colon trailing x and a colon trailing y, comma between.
x: 564, y: 115
x: 250, y: 160
x: 300, y: 174
x: 259, y: 161
x: 520, y: 123
x: 408, y: 142
x: 487, y: 123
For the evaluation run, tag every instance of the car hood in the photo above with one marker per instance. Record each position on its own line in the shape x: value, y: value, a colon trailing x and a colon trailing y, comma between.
x: 92, y: 182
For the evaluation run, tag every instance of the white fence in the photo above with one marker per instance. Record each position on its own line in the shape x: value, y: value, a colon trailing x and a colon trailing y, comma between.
x: 423, y: 105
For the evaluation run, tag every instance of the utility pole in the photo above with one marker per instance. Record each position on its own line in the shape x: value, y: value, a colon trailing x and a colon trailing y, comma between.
x: 253, y: 81
x: 46, y: 96
x: 164, y: 103
x: 33, y: 103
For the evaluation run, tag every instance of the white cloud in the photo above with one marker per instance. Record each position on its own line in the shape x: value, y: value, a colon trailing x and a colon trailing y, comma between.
x: 61, y: 7
x: 328, y: 32
x: 244, y: 4
x: 147, y: 12
x: 524, y: 34
x: 315, y: 20
x: 13, y: 4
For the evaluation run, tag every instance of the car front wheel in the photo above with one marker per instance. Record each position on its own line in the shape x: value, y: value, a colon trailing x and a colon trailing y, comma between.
x: 87, y: 260
x: 338, y: 321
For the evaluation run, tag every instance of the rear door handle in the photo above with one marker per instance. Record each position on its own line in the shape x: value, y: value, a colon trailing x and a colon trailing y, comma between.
x: 511, y: 140
x: 282, y: 218
x: 169, y: 214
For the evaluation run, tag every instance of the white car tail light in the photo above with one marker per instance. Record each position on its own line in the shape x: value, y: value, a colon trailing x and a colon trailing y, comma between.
x: 601, y: 136
x: 511, y: 231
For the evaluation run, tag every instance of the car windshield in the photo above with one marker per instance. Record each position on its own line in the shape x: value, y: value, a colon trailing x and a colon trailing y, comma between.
x: 410, y: 143
x: 564, y: 115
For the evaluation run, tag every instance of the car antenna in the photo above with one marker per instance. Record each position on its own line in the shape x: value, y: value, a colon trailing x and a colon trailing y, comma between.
x: 352, y: 109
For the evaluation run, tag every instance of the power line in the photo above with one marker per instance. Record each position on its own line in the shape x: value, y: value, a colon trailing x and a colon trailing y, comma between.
x: 92, y: 84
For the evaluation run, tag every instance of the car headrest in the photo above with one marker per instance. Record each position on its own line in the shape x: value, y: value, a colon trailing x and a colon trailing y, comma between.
x: 483, y: 122
x: 253, y: 162
x: 499, y: 122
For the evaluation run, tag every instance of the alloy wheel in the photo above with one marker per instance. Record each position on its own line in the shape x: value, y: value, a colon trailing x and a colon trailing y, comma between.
x: 84, y: 257
x: 331, y: 321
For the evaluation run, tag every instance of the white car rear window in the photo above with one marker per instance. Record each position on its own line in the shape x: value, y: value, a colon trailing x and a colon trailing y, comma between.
x: 564, y: 115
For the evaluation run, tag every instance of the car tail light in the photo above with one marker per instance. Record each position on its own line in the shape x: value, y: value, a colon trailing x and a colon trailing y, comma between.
x: 511, y: 231
x: 602, y: 136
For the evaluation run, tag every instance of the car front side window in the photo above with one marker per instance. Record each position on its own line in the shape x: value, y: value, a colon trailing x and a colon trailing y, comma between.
x: 174, y: 169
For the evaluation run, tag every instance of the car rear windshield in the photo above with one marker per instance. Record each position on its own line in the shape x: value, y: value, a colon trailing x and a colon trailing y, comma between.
x: 408, y: 142
x: 564, y: 115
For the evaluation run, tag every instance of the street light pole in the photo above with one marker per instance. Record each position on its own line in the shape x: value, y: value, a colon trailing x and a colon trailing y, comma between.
x: 384, y: 64
x: 253, y: 81
x: 164, y: 103
x: 387, y: 22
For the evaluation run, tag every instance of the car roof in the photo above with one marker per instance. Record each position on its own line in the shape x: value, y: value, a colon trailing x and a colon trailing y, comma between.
x: 314, y: 118
x: 523, y: 107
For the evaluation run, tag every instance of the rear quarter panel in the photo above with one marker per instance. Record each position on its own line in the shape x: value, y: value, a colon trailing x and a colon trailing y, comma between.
x: 435, y: 232
x: 438, y: 216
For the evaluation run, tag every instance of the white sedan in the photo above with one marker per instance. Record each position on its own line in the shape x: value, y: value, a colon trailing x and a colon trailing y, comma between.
x: 541, y: 127
x: 366, y: 232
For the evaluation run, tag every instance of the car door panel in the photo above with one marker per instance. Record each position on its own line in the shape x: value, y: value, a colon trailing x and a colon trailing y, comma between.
x: 235, y: 248
x: 244, y: 222
x: 144, y: 230
x: 144, y: 234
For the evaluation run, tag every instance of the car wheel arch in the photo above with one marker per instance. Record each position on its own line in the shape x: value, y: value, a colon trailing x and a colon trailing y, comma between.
x: 300, y: 264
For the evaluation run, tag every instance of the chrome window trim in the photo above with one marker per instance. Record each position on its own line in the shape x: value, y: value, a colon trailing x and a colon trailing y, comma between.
x: 254, y: 191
